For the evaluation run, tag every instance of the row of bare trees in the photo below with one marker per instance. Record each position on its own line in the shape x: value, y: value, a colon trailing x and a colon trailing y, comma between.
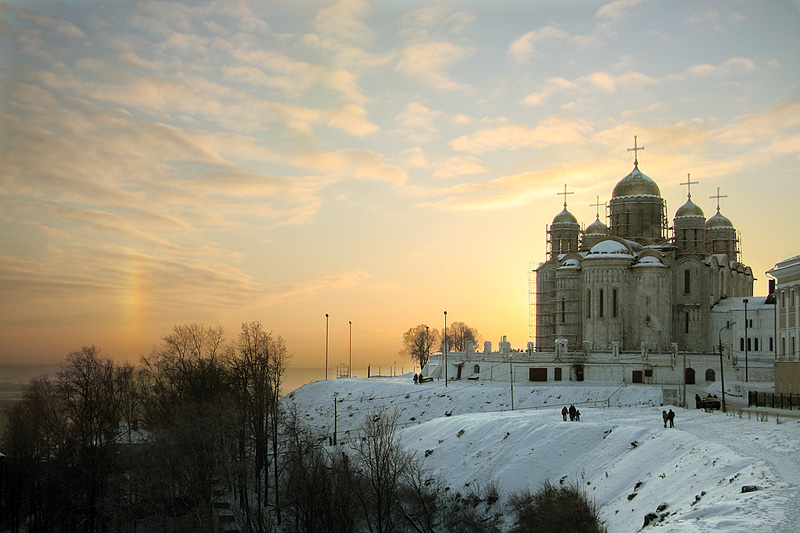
x: 419, y: 341
x: 107, y: 446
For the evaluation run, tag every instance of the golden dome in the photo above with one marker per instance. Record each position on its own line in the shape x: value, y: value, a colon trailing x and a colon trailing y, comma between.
x: 718, y: 221
x: 636, y: 184
x: 689, y: 209
x: 596, y: 228
x: 565, y: 217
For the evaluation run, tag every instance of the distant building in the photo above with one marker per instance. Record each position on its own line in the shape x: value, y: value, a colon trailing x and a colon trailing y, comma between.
x: 633, y: 283
x: 637, y: 301
x: 787, y: 299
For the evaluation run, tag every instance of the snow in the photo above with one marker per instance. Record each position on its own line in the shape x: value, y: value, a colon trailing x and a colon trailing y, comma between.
x: 622, y: 456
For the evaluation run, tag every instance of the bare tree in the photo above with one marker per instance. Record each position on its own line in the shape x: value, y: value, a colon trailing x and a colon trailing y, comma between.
x: 458, y: 334
x: 381, y: 463
x: 418, y: 342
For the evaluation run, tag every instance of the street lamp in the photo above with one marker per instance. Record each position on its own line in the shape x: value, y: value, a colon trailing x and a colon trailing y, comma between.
x: 746, y: 340
x: 445, y: 349
x: 511, y: 379
x: 727, y: 325
x: 350, y: 366
x: 326, y: 345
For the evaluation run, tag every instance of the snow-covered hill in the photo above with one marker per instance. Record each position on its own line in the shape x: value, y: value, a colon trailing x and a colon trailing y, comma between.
x: 691, y: 477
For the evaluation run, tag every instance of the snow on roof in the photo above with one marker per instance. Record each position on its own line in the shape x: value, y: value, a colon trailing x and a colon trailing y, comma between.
x: 609, y: 246
x: 737, y: 304
x: 649, y: 261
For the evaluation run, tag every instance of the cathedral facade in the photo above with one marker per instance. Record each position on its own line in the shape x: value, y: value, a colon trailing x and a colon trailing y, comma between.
x: 637, y: 284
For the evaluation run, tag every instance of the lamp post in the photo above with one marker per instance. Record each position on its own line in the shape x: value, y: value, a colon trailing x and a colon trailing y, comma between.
x: 326, y: 345
x: 721, y: 368
x: 746, y: 341
x: 350, y: 365
x: 445, y: 349
x: 511, y: 379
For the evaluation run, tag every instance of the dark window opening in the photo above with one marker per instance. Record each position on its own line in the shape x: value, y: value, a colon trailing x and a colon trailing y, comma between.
x: 687, y: 282
x: 710, y: 375
x: 614, y: 303
x: 600, y: 305
x: 563, y: 310
x: 537, y: 374
x: 687, y: 323
x: 741, y: 344
x: 557, y: 374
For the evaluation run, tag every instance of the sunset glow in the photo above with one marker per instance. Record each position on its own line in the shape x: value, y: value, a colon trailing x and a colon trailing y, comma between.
x: 221, y: 162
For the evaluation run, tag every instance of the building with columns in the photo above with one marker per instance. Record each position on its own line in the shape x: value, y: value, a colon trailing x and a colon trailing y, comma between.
x: 787, y: 308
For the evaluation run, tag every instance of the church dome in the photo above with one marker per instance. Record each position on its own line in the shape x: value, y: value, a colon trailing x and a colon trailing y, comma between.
x: 610, y: 247
x: 689, y: 209
x: 596, y: 228
x: 636, y: 184
x: 565, y: 217
x: 718, y: 221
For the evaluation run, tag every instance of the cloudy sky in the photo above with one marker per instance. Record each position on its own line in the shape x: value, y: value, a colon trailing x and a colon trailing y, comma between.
x: 218, y: 162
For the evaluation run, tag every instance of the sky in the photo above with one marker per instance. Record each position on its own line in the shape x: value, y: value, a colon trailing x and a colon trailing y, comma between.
x: 165, y: 163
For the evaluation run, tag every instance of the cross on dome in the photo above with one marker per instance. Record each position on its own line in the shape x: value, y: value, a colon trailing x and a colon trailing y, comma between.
x: 689, y: 184
x: 635, y: 151
x: 598, y: 204
x: 565, y: 193
x: 718, y: 196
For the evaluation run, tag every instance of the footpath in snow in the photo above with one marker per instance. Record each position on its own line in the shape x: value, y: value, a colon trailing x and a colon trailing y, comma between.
x: 712, y: 472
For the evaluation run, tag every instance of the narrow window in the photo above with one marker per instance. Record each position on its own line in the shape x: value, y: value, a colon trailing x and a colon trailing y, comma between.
x: 563, y: 310
x: 741, y: 344
x: 771, y: 345
x: 755, y: 343
x: 687, y: 323
x: 589, y: 303
x: 687, y: 282
x: 614, y: 303
x: 600, y: 305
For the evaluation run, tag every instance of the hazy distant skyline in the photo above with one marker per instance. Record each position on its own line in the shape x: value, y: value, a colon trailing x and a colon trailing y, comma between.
x: 220, y: 162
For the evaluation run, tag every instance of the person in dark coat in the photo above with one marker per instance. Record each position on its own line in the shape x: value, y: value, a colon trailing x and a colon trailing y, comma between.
x: 572, y: 412
x: 671, y: 418
x: 564, y: 413
x: 415, y: 379
x: 664, y: 417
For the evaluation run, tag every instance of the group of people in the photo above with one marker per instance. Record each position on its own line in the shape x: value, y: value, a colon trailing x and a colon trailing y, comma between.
x: 574, y: 414
x: 668, y: 417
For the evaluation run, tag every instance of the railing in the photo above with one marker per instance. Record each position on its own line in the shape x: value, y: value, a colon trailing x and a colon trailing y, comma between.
x: 769, y: 399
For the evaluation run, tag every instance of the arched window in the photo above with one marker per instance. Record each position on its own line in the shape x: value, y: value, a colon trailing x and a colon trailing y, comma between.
x: 749, y: 344
x: 687, y: 282
x: 614, y: 303
x: 710, y: 376
x: 563, y: 310
x: 476, y: 369
x: 741, y: 344
x: 588, y: 303
x: 771, y: 345
x: 600, y: 305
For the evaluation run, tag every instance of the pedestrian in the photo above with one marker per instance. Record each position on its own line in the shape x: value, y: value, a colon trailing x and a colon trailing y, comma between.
x: 564, y: 413
x: 572, y: 413
x: 664, y: 417
x: 415, y: 378
x: 671, y: 418
x: 577, y: 415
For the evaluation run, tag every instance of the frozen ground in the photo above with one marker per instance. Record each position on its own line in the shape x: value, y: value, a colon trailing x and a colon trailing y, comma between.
x: 467, y: 435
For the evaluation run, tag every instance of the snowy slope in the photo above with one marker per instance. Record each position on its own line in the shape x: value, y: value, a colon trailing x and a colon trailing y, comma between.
x: 623, y: 457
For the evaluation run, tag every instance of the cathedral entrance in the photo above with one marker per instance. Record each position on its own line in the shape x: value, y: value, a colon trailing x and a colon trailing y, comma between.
x: 688, y: 376
x: 576, y: 373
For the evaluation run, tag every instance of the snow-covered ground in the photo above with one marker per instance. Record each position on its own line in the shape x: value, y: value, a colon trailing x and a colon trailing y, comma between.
x: 691, y: 476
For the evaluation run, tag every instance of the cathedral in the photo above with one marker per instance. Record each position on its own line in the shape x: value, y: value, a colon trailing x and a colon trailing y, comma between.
x: 637, y: 283
x: 635, y: 301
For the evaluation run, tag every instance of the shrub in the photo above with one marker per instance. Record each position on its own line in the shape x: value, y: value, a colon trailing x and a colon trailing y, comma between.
x: 555, y: 509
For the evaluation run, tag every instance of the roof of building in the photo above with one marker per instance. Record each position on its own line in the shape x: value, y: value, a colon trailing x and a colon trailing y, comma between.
x: 596, y: 228
x: 610, y: 247
x: 689, y: 209
x: 636, y: 184
x: 718, y: 221
x: 565, y: 217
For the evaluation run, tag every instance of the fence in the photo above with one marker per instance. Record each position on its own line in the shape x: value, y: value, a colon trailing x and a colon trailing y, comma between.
x: 770, y: 399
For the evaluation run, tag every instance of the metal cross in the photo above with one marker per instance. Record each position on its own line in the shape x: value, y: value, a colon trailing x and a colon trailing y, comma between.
x: 689, y: 184
x: 718, y: 196
x: 565, y: 193
x: 598, y: 204
x: 635, y: 151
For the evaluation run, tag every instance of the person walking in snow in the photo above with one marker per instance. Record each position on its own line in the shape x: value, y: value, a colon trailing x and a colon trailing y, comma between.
x: 564, y: 413
x: 664, y: 417
x: 671, y: 418
x: 571, y: 413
